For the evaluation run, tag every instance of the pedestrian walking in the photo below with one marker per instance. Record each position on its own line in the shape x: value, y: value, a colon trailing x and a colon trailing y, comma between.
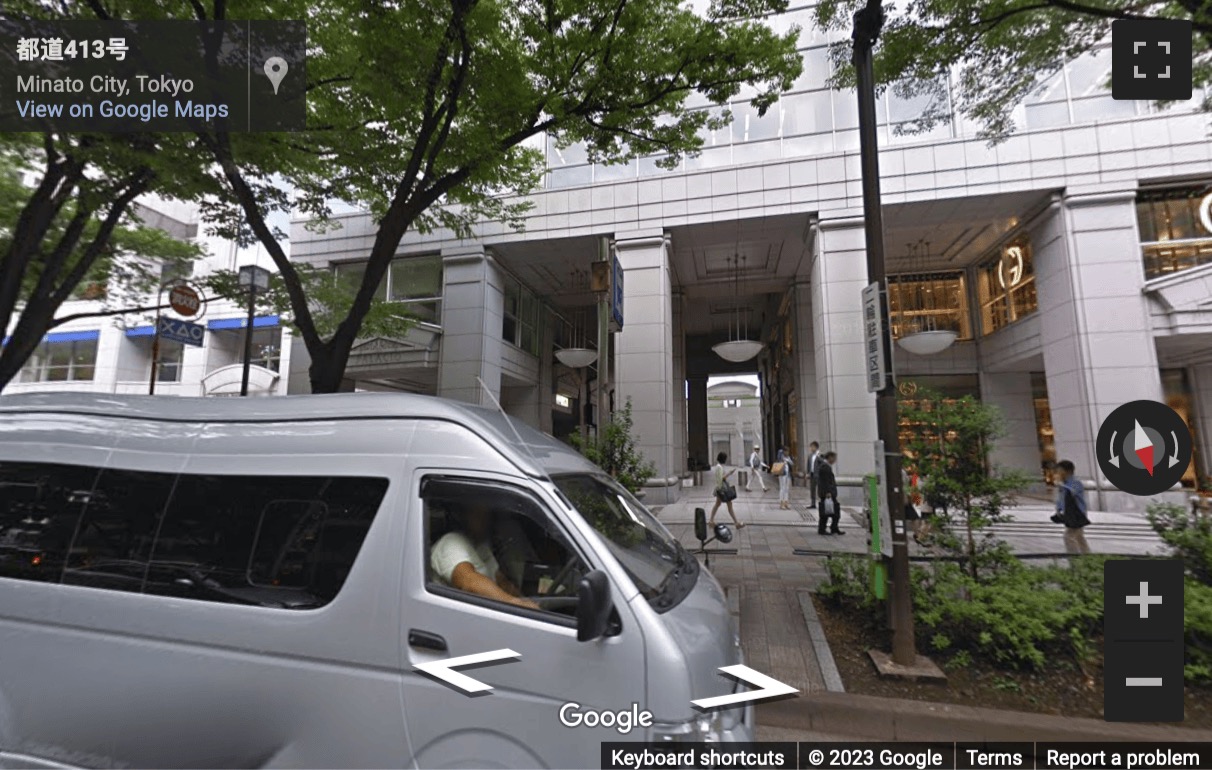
x: 828, y: 508
x: 724, y: 492
x: 1071, y: 509
x: 814, y: 459
x: 783, y: 469
x: 755, y: 469
x: 912, y: 484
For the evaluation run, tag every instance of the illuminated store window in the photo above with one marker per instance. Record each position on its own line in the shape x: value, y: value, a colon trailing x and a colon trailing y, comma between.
x: 929, y: 302
x: 1006, y: 286
x: 1175, y: 229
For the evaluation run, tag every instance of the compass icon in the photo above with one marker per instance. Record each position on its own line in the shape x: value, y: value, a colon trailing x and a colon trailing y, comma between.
x: 1144, y: 447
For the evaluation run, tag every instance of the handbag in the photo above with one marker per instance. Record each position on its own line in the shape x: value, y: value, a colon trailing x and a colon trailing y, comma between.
x: 776, y: 469
x: 1074, y: 517
x: 726, y: 492
x: 827, y: 506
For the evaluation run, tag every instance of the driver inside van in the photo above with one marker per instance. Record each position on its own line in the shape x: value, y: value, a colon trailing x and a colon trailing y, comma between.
x: 464, y: 559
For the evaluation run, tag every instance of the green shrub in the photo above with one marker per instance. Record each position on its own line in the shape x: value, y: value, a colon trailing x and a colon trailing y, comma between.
x: 1024, y: 617
x: 1198, y: 623
x: 1189, y: 536
x: 849, y: 583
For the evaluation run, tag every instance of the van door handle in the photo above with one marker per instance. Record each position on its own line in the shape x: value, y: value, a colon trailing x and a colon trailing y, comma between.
x: 426, y: 640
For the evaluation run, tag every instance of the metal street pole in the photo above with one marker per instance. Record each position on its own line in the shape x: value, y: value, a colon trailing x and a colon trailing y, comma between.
x: 248, y: 335
x: 868, y: 22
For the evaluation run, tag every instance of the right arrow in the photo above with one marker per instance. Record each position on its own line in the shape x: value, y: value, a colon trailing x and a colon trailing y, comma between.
x: 770, y: 688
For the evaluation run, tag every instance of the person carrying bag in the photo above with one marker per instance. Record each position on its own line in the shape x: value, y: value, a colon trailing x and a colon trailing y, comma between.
x: 725, y: 493
x: 1071, y: 510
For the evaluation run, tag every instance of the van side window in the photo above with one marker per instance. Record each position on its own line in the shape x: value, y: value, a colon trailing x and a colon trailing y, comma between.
x: 488, y: 542
x: 40, y: 507
x: 114, y: 537
x: 284, y: 541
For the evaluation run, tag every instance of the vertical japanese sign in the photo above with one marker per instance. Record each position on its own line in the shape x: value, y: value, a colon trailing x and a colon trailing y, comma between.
x: 873, y: 339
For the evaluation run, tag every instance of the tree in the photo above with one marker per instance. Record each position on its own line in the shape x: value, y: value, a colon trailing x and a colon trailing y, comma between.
x: 422, y: 112
x: 614, y: 451
x: 76, y: 226
x: 949, y: 444
x: 997, y: 51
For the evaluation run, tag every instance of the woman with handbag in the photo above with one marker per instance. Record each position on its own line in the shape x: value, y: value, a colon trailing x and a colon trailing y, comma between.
x: 782, y: 469
x: 724, y: 492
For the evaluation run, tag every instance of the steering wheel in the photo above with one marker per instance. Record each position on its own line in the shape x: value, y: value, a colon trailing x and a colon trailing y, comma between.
x: 562, y: 576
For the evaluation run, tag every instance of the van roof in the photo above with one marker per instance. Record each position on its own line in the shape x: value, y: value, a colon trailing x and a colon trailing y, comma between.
x: 536, y: 454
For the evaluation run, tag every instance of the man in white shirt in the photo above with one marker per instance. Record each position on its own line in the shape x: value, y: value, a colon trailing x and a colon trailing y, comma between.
x: 463, y: 559
x: 755, y: 469
x: 814, y: 465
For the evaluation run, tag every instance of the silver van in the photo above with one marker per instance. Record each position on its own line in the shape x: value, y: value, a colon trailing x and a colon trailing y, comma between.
x: 254, y: 583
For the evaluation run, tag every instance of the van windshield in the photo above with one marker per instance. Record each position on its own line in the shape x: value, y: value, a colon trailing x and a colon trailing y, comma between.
x: 658, y: 564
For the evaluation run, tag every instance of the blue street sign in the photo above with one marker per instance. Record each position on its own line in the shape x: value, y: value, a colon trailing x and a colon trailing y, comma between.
x: 616, y: 295
x: 181, y: 331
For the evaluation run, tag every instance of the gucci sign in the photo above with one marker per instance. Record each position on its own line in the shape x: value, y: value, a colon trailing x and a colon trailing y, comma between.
x: 1205, y: 212
x: 1010, y: 267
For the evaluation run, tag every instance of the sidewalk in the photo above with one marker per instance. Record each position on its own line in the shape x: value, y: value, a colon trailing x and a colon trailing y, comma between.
x: 770, y: 588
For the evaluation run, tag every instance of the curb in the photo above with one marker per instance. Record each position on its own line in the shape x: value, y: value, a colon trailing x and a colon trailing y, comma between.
x: 869, y: 717
x: 820, y: 645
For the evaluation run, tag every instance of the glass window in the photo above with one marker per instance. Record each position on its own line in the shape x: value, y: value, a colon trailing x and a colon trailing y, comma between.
x: 272, y: 541
x: 61, y: 362
x: 902, y: 109
x: 572, y: 155
x: 267, y: 348
x: 1047, y: 115
x: 40, y: 507
x: 492, y: 543
x: 1175, y: 228
x: 520, y: 325
x: 748, y: 126
x: 114, y: 538
x: 604, y: 173
x: 1090, y: 74
x: 931, y: 302
x: 845, y: 110
x: 170, y: 357
x: 649, y: 167
x: 417, y: 282
x: 809, y: 113
x: 1102, y: 108
x: 351, y: 274
x: 662, y: 571
x: 818, y: 68
x: 1050, y: 89
x: 570, y: 177
x: 1007, y: 287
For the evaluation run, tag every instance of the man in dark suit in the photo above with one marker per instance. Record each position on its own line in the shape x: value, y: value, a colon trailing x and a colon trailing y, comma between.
x: 826, y: 486
x: 814, y: 462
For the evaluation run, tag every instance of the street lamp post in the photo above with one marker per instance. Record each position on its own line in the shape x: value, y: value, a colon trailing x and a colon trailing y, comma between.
x: 868, y: 21
x: 253, y: 278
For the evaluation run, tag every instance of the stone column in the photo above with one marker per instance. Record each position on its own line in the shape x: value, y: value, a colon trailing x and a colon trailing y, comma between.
x: 473, y: 313
x: 805, y: 371
x: 698, y: 445
x: 644, y: 353
x: 1200, y: 378
x: 1098, y: 348
x: 1018, y: 449
x: 846, y: 410
x: 679, y: 386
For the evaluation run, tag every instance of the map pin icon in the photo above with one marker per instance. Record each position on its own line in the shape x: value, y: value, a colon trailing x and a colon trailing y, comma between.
x: 275, y: 70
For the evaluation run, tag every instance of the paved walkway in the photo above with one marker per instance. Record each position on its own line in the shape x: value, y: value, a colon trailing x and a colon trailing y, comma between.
x: 767, y: 581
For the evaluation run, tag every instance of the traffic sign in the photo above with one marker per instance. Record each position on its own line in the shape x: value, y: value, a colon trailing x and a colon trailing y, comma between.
x: 616, y: 295
x: 185, y: 300
x: 181, y: 331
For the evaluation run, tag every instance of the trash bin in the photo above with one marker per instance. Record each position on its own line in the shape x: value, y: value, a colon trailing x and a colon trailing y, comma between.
x: 742, y: 478
x: 698, y: 478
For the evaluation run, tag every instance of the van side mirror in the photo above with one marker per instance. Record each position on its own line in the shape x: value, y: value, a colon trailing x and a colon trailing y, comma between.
x: 700, y: 524
x: 593, y: 606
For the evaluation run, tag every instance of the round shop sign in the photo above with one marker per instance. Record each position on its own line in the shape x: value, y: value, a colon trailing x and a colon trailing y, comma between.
x: 185, y: 300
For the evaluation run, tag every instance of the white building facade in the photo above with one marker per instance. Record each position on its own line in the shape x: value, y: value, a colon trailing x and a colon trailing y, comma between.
x: 1074, y: 262
x: 113, y: 353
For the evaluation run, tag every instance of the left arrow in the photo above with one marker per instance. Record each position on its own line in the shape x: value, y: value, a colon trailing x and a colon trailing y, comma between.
x: 442, y: 669
x: 770, y: 688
